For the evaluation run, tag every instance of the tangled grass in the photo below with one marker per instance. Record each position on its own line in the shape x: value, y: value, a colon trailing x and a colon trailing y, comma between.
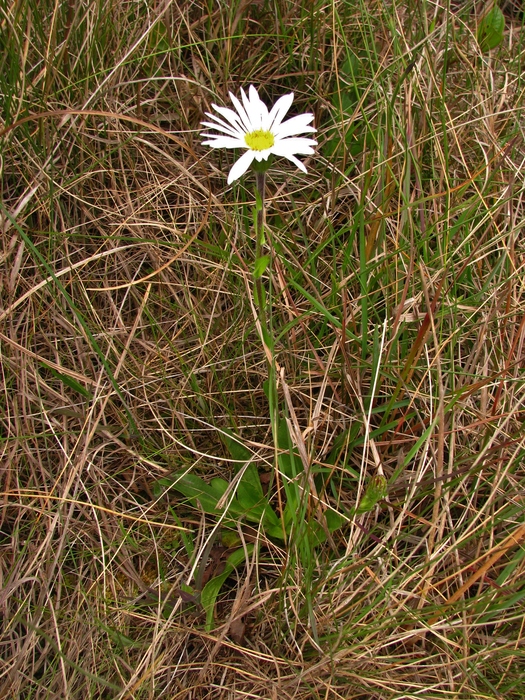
x: 129, y: 347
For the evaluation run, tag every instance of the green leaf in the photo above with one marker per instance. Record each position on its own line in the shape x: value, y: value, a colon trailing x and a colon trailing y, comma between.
x: 260, y: 266
x: 317, y: 533
x: 250, y: 494
x: 250, y: 498
x: 249, y: 501
x: 230, y: 538
x: 254, y: 506
x: 235, y: 447
x: 239, y: 452
x: 217, y: 485
x: 291, y: 510
x: 490, y: 29
x: 274, y: 530
x: 375, y: 491
x: 70, y: 382
x: 212, y: 589
x: 197, y: 490
x: 119, y: 638
x: 290, y: 463
x: 209, y: 596
x: 334, y: 520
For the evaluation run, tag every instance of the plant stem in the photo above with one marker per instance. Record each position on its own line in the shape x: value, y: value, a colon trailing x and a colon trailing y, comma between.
x: 260, y: 180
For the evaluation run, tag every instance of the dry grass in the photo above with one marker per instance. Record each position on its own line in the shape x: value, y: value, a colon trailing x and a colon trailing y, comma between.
x: 129, y: 343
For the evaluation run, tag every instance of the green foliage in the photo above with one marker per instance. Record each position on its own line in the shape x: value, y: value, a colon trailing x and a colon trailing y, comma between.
x: 375, y: 492
x: 69, y: 382
x: 244, y: 500
x: 213, y: 587
x: 260, y: 266
x: 490, y: 29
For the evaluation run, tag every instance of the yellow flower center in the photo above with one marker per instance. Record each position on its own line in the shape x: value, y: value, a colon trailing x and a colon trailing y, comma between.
x: 259, y: 140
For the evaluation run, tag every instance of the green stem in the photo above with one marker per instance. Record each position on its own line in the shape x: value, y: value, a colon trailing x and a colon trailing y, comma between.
x: 271, y: 386
x: 260, y: 180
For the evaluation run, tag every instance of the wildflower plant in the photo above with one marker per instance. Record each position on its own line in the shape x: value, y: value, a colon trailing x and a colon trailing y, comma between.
x: 263, y: 134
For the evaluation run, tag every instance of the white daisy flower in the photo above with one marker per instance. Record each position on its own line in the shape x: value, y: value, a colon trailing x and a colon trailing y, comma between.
x: 260, y: 132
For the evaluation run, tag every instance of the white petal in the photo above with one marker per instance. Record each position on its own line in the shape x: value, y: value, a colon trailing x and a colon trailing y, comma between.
x: 217, y: 121
x: 250, y: 111
x: 263, y: 155
x: 279, y: 110
x: 242, y: 113
x: 240, y: 166
x: 224, y: 129
x: 223, y: 141
x: 254, y: 108
x: 293, y: 145
x: 228, y: 114
x: 296, y: 161
x: 261, y: 108
x: 254, y: 95
x: 295, y: 125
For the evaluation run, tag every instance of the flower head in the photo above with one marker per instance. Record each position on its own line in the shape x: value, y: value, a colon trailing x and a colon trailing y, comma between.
x: 261, y: 132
